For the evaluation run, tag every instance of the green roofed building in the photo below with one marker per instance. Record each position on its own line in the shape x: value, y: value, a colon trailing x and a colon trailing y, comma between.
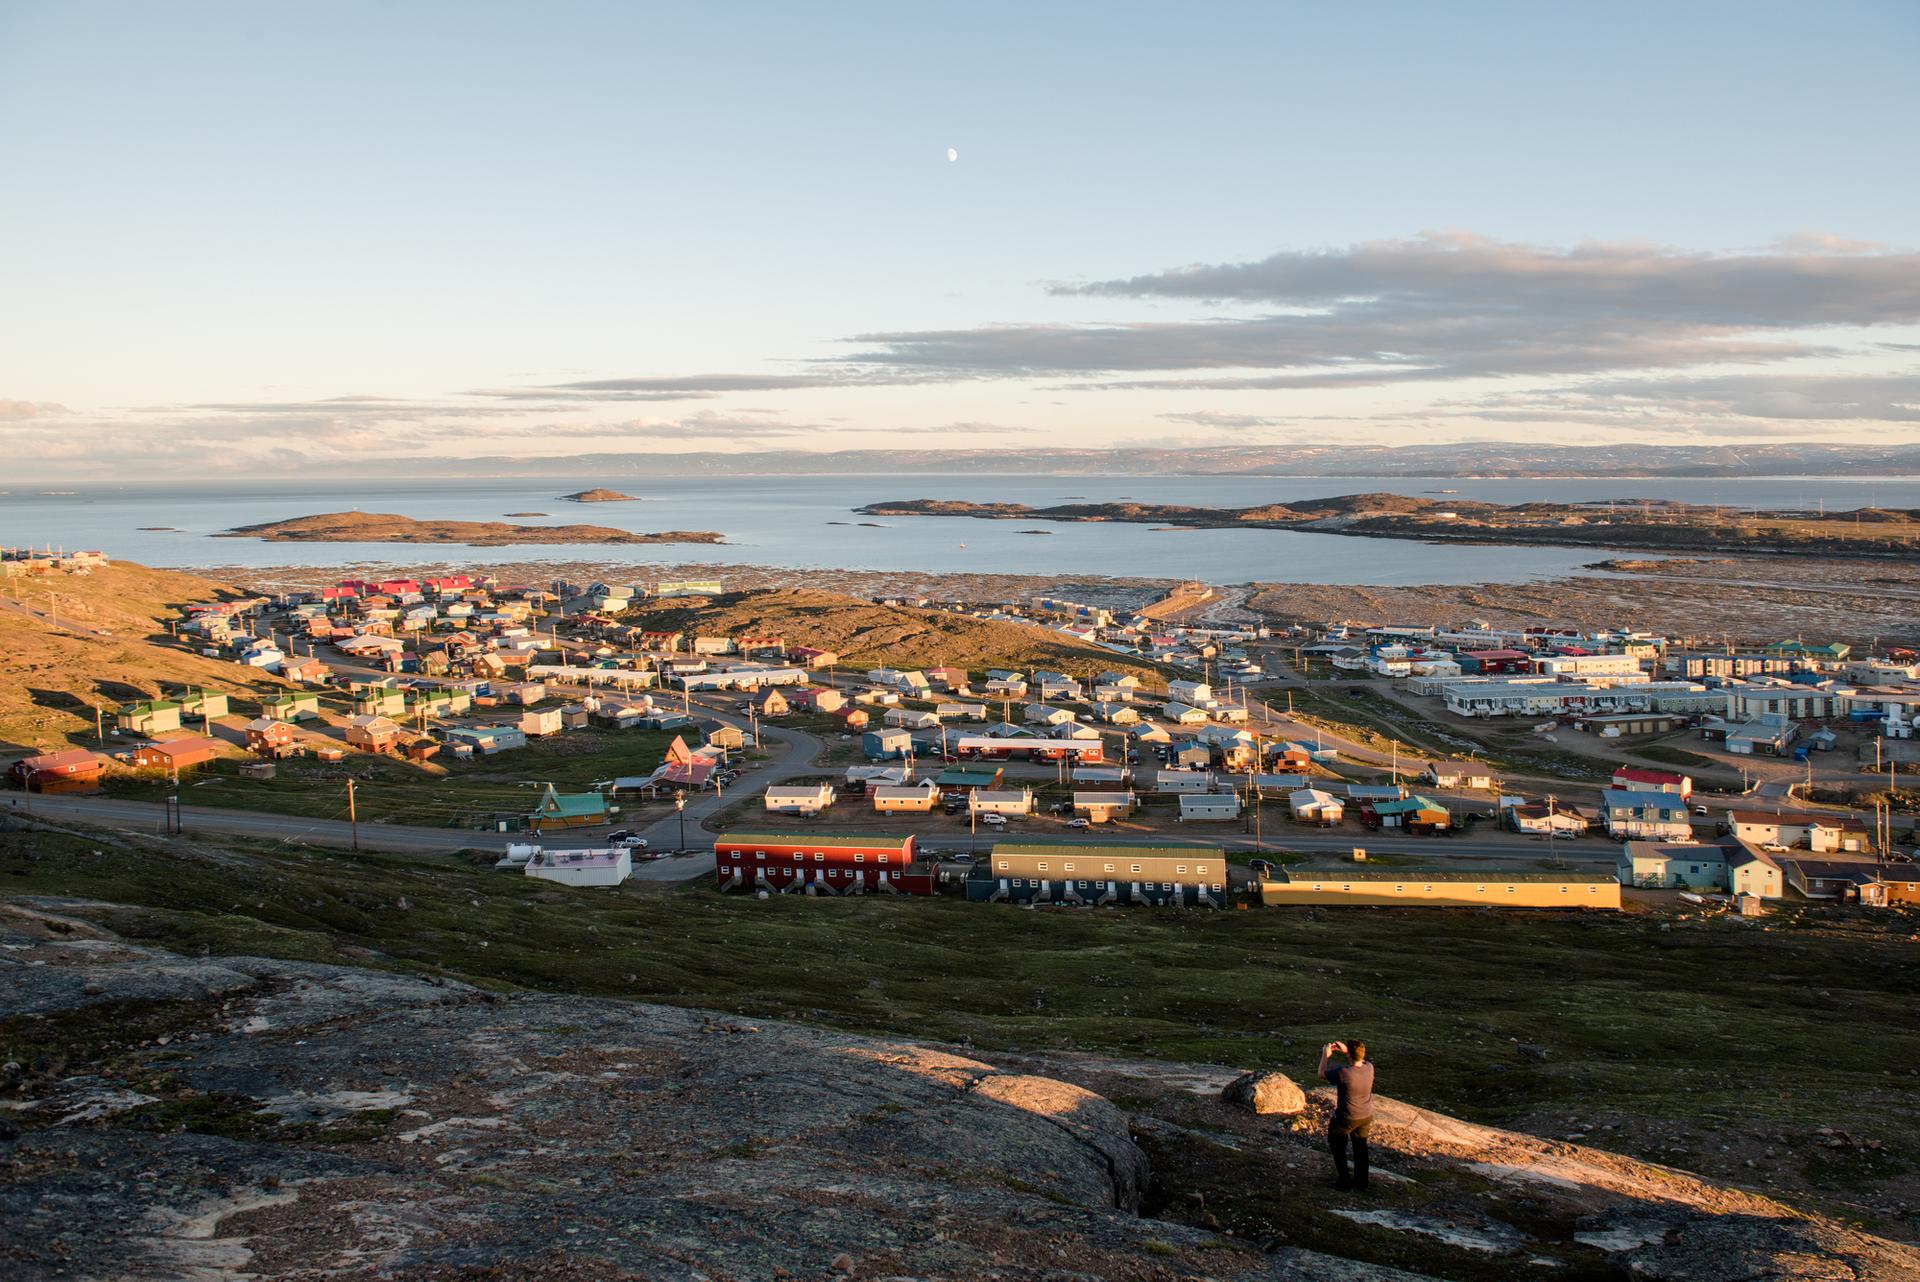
x: 568, y: 809
x: 150, y: 717
x: 969, y: 779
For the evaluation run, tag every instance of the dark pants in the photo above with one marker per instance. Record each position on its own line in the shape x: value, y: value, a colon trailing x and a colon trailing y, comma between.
x: 1349, y: 1131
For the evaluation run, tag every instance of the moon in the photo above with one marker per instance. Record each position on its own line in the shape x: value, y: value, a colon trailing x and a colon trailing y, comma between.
x: 952, y: 154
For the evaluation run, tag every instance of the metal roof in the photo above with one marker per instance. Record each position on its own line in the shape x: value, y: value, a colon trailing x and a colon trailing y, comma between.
x: 1350, y: 873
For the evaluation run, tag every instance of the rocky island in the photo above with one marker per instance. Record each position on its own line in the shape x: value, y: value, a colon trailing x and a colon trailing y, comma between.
x: 598, y: 495
x: 1606, y: 523
x: 380, y: 527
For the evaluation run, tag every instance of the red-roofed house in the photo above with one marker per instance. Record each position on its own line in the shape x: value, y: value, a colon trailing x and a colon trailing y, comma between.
x: 175, y: 755
x: 1640, y: 779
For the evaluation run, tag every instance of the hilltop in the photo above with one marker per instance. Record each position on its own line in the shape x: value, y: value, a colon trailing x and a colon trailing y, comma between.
x: 897, y: 636
x: 104, y: 643
x: 381, y: 527
x: 278, y: 1061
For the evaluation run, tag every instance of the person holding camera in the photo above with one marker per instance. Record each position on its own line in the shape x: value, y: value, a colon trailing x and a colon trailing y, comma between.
x: 1353, y: 1109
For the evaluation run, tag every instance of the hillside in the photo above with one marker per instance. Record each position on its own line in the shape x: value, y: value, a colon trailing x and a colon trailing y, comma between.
x: 1638, y: 523
x: 862, y: 632
x: 386, y: 527
x: 1058, y: 1116
x: 105, y: 643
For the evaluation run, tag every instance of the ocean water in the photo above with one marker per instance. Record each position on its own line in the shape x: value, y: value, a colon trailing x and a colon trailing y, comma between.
x: 796, y: 522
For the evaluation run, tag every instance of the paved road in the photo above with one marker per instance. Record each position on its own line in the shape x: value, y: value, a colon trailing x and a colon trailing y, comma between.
x: 147, y: 816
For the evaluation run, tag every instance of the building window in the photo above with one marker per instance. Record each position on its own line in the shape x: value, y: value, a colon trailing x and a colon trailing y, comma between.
x: 1200, y: 871
x: 1136, y: 867
x: 1181, y: 869
x: 760, y: 855
x: 797, y: 856
x: 882, y: 858
x: 1066, y: 867
x: 859, y: 859
x: 819, y: 858
x: 1042, y: 867
x: 1109, y: 868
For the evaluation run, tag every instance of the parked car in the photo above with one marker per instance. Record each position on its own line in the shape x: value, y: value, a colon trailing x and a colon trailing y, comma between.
x: 1077, y: 823
x: 627, y: 840
x: 1261, y: 867
x: 994, y: 820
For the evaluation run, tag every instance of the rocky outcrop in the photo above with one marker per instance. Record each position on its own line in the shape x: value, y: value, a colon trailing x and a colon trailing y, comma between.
x: 1265, y: 1093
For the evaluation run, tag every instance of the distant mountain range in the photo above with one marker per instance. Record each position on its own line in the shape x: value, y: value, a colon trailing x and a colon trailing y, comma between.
x: 1461, y: 460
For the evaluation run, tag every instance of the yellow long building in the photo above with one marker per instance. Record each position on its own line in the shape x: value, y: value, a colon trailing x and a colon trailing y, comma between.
x: 1441, y: 888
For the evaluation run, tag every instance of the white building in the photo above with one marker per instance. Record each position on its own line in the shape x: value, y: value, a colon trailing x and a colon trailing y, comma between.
x: 1210, y: 807
x: 581, y: 867
x: 807, y: 799
x: 1008, y: 801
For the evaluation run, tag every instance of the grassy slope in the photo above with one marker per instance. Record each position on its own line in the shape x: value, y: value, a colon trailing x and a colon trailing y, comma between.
x: 51, y: 679
x: 1687, y: 1033
x: 864, y: 633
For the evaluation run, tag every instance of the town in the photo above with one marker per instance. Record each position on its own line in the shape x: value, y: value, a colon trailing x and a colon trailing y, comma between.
x: 593, y: 732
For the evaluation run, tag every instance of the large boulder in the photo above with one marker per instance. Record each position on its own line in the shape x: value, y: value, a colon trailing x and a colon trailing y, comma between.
x: 1265, y: 1093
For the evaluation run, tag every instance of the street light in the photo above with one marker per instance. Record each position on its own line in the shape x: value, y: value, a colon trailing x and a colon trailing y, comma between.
x: 680, y: 808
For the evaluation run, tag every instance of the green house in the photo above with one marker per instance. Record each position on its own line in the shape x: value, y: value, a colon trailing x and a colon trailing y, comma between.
x: 290, y: 707
x: 568, y: 809
x: 200, y: 705
x: 153, y: 716
x: 381, y: 701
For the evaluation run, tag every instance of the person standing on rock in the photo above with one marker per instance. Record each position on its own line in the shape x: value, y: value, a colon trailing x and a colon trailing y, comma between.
x: 1353, y: 1109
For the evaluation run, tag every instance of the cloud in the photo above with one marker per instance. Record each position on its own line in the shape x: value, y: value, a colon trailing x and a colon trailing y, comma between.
x: 706, y: 386
x: 1224, y: 421
x: 1723, y: 403
x: 20, y: 411
x: 1440, y: 306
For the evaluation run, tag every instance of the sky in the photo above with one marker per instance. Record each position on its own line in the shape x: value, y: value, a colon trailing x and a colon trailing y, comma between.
x: 257, y: 238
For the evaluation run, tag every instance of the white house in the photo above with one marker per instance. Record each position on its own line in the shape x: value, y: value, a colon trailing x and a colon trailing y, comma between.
x: 534, y: 722
x: 1647, y: 816
x: 799, y: 799
x: 1313, y: 806
x: 1006, y: 801
x: 1183, y: 714
x: 1196, y: 694
x: 1209, y: 806
x: 1042, y: 715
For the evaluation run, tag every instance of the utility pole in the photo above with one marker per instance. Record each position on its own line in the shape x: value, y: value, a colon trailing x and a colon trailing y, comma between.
x: 353, y: 813
x: 99, y: 724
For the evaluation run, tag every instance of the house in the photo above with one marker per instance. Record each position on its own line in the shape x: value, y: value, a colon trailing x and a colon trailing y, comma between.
x: 1183, y: 715
x: 1639, y: 779
x: 908, y: 719
x: 202, y: 705
x: 1116, y: 714
x: 1459, y: 774
x: 536, y: 722
x: 606, y: 867
x: 1182, y: 781
x: 818, y: 863
x: 1196, y: 694
x: 1101, y: 873
x: 1359, y: 885
x: 1769, y: 735
x: 808, y: 657
x: 270, y: 738
x: 308, y: 671
x: 851, y: 719
x: 817, y: 699
x: 381, y: 701
x: 1103, y: 807
x: 557, y: 809
x: 1314, y: 806
x: 73, y: 770
x: 151, y: 716
x: 1209, y: 807
x: 1892, y: 884
x: 1752, y: 872
x: 799, y: 799
x: 881, y: 745
x: 960, y: 711
x: 732, y: 738
x: 1835, y: 877
x: 1040, y: 714
x: 1410, y: 814
x: 893, y: 798
x: 1014, y: 802
x: 1664, y: 865
x: 1646, y: 816
x: 952, y: 680
x: 176, y: 755
x: 969, y: 778
x: 770, y: 703
x: 372, y: 732
x: 1819, y: 833
x: 443, y: 702
x: 487, y: 740
x: 1538, y: 818
x: 290, y: 707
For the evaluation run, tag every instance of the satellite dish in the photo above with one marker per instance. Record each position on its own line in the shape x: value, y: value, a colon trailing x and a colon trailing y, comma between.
x: 952, y: 154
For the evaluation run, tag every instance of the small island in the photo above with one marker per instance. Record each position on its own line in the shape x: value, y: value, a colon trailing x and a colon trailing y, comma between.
x: 526, y: 514
x: 379, y: 527
x: 598, y: 495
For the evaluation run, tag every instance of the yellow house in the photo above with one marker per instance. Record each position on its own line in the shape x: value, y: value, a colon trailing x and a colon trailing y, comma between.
x: 1441, y: 888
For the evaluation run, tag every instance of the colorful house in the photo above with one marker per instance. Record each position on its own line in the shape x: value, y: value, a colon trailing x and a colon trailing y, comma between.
x: 151, y: 716
x: 176, y: 755
x: 295, y: 706
x: 74, y: 770
x: 558, y: 809
x: 269, y: 738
